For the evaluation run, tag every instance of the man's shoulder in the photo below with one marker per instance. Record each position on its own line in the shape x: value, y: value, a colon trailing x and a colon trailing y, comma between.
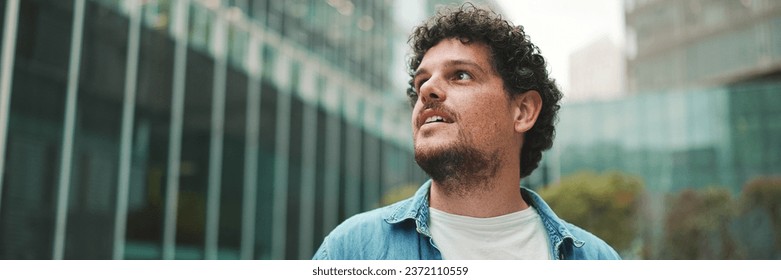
x: 369, y: 221
x: 366, y: 232
x: 590, y: 246
x: 584, y: 244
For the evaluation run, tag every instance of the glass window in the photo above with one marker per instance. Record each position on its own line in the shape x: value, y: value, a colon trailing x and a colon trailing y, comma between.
x: 232, y: 185
x: 92, y: 196
x: 35, y: 129
x: 150, y: 146
x: 238, y: 41
x: 265, y: 195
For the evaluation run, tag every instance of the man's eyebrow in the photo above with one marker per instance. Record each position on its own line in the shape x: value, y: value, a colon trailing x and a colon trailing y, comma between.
x: 419, y: 72
x: 458, y: 62
x: 452, y: 63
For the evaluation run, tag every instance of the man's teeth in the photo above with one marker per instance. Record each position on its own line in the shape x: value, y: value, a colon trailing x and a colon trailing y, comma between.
x: 434, y: 119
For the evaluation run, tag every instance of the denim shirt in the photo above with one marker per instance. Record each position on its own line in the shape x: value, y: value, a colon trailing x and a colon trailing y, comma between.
x: 400, y: 232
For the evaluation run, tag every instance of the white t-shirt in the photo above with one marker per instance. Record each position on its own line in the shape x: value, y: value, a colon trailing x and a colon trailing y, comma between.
x: 515, y: 236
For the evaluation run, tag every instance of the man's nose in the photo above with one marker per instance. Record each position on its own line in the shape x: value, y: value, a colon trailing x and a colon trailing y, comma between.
x: 432, y: 91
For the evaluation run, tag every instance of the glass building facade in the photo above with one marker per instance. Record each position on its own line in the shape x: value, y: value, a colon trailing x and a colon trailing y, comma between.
x: 719, y: 137
x: 692, y: 43
x: 702, y: 114
x: 186, y: 129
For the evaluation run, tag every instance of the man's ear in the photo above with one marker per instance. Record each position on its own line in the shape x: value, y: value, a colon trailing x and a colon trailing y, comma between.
x: 527, y: 108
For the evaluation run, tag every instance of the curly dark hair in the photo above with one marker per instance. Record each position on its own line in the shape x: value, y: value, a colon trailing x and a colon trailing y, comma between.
x: 513, y: 55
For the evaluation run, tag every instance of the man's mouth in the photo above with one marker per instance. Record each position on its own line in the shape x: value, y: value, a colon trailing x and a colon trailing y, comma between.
x: 434, y: 115
x: 434, y: 119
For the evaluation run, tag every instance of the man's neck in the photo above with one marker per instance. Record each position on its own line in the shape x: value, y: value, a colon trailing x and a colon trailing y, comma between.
x: 487, y: 198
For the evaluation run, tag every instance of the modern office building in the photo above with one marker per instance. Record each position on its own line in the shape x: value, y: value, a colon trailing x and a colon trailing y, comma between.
x: 690, y: 44
x: 721, y: 137
x: 716, y: 137
x: 725, y: 58
x: 195, y: 129
x: 701, y: 110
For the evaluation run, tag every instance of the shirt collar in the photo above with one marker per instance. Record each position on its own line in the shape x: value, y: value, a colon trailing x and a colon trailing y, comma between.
x: 556, y: 227
x: 416, y: 208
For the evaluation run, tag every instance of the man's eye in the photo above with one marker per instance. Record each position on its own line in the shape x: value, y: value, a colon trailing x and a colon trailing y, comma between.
x: 418, y: 84
x: 463, y: 76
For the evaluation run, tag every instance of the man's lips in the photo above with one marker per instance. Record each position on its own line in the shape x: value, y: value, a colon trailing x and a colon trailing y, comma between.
x: 433, y: 116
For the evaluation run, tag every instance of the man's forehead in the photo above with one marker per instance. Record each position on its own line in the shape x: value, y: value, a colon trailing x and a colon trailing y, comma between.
x: 459, y: 53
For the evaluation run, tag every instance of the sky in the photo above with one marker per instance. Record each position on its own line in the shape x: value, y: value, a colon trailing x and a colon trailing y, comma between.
x: 561, y: 27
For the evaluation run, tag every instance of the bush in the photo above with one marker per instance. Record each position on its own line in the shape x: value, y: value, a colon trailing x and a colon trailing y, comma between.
x: 764, y: 194
x: 697, y: 225
x: 605, y: 204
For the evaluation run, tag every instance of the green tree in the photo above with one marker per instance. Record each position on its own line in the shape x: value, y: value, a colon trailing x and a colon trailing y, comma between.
x: 605, y: 204
x: 765, y: 193
x: 697, y: 225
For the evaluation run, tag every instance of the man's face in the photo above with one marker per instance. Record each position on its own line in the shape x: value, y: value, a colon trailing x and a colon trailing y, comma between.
x: 462, y: 109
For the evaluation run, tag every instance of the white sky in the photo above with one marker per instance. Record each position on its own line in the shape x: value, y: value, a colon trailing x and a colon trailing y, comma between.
x: 560, y: 27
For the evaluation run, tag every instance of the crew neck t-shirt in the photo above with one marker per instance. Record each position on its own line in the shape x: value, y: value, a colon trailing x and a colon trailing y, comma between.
x: 514, y: 236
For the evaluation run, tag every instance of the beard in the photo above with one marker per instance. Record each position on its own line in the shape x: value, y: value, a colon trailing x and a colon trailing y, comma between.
x: 459, y: 168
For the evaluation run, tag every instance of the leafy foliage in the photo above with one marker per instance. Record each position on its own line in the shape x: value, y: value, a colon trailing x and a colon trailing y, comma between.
x: 697, y: 225
x: 765, y: 193
x: 605, y: 204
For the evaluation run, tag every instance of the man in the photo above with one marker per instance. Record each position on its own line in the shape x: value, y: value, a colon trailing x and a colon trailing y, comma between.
x: 483, y: 112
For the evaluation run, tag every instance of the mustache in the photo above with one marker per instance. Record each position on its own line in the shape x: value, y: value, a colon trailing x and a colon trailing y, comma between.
x: 438, y: 106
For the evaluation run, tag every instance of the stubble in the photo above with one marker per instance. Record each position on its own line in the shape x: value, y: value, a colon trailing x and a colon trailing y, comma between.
x: 460, y: 168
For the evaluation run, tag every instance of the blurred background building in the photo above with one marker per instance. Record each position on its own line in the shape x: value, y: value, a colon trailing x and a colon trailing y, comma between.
x: 701, y: 113
x: 695, y: 43
x: 248, y: 129
x: 198, y: 129
x: 597, y: 71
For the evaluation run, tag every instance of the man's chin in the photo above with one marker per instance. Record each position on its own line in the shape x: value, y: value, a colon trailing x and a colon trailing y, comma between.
x: 442, y: 162
x: 456, y: 165
x: 430, y: 148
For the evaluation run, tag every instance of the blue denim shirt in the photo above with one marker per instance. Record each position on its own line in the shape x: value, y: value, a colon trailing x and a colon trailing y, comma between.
x: 400, y: 232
